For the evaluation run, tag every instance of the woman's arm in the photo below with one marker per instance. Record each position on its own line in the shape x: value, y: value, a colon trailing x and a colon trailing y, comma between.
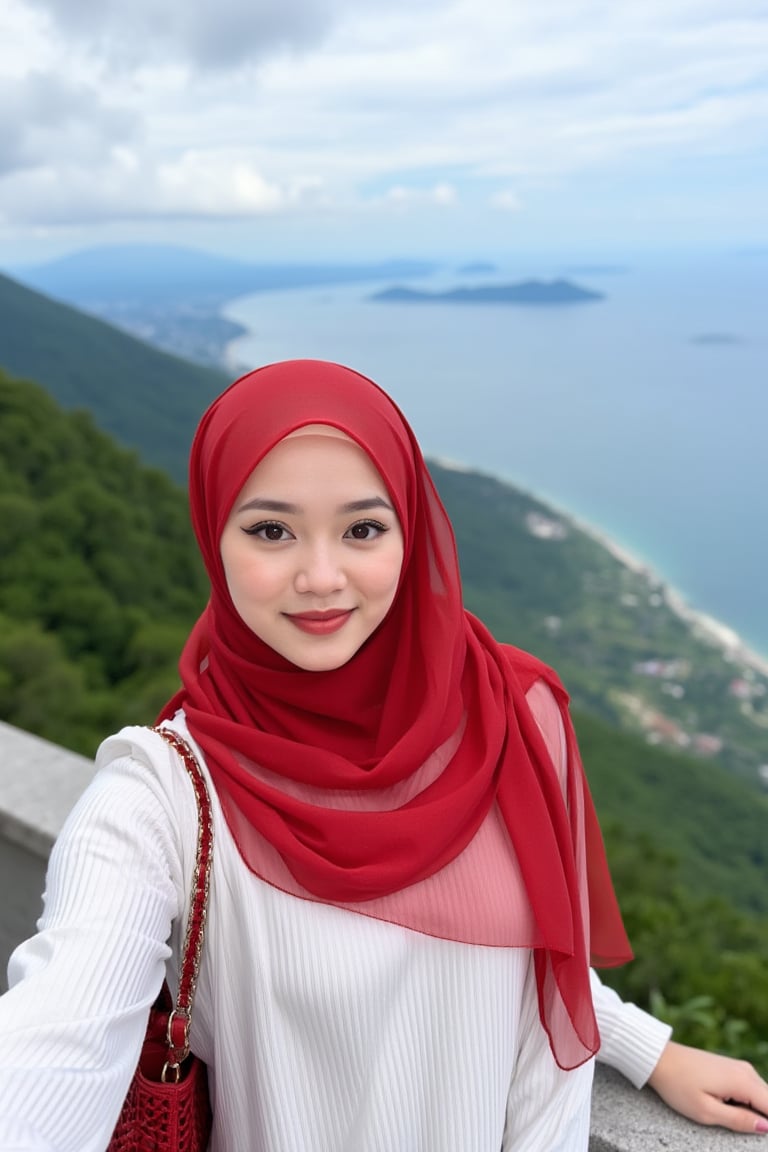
x: 631, y: 1041
x: 74, y: 1018
x: 704, y: 1086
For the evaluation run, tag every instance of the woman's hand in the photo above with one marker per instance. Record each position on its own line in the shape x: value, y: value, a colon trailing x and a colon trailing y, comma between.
x: 711, y: 1089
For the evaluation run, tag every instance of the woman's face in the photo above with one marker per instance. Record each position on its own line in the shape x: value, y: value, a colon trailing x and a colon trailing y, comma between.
x: 313, y: 549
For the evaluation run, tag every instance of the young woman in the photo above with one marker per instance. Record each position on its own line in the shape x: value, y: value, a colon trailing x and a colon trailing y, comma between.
x: 408, y: 877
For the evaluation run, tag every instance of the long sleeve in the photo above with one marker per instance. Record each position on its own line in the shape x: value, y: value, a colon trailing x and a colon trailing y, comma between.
x: 74, y: 1017
x: 631, y: 1040
x: 548, y: 1109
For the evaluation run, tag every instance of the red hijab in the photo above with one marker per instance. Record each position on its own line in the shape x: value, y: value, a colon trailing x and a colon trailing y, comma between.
x: 374, y: 786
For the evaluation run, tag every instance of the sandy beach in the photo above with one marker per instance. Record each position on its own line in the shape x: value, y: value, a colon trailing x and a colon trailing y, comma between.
x: 712, y: 631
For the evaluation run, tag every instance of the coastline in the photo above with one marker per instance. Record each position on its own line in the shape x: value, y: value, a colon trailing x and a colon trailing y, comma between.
x: 707, y: 627
x: 713, y: 631
x: 732, y: 646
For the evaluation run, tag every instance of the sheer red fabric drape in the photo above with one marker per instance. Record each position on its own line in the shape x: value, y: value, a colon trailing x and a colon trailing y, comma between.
x: 414, y: 779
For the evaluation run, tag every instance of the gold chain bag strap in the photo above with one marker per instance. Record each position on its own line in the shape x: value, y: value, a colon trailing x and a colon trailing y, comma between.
x: 167, y: 1108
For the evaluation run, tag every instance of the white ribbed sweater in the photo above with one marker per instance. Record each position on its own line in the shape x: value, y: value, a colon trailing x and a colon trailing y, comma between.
x: 322, y: 1029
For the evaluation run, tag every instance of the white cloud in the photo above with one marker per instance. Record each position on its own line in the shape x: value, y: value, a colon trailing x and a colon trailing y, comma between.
x: 193, y: 185
x: 246, y: 107
x: 202, y: 183
x: 441, y: 196
x: 24, y: 37
x: 47, y: 118
x: 507, y: 200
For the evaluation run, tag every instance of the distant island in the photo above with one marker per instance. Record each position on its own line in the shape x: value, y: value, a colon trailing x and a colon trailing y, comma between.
x: 536, y: 292
x: 716, y: 338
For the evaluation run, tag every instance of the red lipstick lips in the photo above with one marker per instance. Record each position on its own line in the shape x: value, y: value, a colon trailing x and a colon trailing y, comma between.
x: 320, y: 623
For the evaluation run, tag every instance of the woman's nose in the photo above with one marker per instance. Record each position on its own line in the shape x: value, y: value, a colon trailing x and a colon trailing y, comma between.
x: 320, y: 572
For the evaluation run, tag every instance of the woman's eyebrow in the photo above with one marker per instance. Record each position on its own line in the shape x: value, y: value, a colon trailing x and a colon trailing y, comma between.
x: 261, y: 505
x: 366, y: 505
x: 267, y: 505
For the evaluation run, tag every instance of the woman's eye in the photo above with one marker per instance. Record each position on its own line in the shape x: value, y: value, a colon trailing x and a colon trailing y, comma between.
x: 271, y: 531
x: 365, y: 530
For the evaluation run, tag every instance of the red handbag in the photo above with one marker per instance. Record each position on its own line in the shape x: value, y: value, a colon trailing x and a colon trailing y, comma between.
x: 167, y: 1108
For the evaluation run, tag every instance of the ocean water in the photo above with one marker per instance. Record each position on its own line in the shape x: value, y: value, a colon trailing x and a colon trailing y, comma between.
x: 644, y: 414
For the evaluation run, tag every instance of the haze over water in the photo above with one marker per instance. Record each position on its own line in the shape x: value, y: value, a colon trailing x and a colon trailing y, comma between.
x: 612, y: 410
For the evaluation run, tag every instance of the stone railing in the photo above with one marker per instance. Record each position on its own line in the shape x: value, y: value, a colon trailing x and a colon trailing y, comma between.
x: 625, y: 1120
x: 40, y: 782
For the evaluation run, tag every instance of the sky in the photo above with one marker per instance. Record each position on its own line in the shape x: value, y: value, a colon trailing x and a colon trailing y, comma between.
x: 358, y: 129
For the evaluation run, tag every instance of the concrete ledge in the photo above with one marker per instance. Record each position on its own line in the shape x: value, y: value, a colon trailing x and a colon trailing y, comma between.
x: 39, y: 785
x: 625, y: 1120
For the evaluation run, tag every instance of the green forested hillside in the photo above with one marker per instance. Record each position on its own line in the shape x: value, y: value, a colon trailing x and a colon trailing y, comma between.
x: 99, y: 575
x: 699, y: 960
x: 146, y: 398
x: 100, y: 581
x: 672, y: 800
